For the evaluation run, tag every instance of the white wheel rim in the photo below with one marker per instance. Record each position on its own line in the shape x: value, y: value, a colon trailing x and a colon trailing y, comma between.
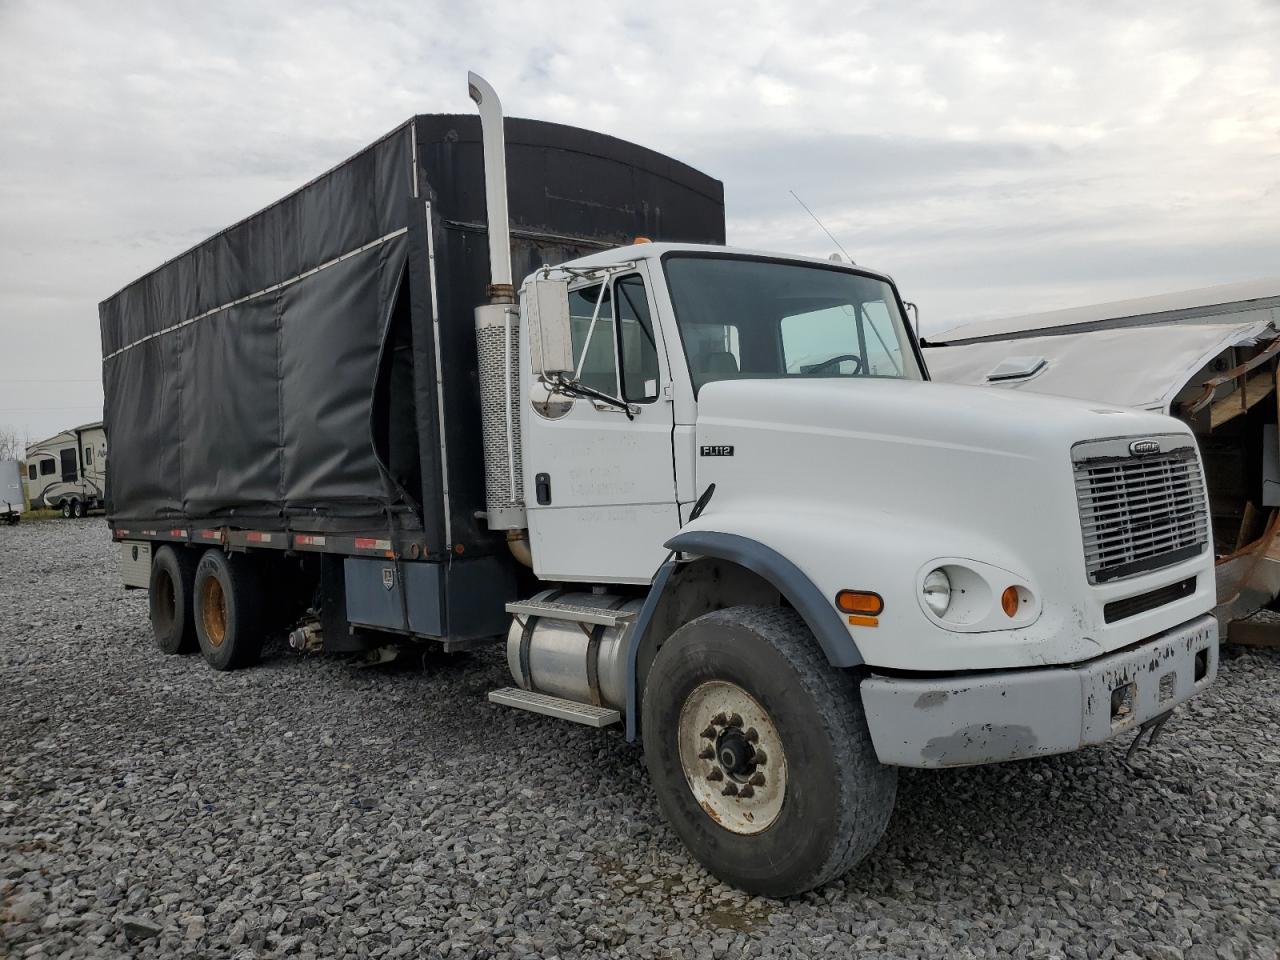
x: 732, y: 757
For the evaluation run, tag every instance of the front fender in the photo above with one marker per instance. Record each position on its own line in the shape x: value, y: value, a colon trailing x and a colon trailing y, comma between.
x: 818, y: 612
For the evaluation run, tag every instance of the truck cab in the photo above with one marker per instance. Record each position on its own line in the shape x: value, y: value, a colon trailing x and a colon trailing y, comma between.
x: 742, y: 453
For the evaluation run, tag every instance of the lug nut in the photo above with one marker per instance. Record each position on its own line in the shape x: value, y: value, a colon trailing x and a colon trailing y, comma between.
x: 715, y: 774
x: 757, y: 780
x: 709, y: 733
x: 707, y: 753
x: 729, y: 790
x: 719, y: 720
x: 735, y: 720
x: 747, y: 791
x: 751, y: 735
x: 760, y: 758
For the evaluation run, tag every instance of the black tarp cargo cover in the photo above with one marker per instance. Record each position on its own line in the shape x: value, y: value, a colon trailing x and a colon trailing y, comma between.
x: 283, y: 373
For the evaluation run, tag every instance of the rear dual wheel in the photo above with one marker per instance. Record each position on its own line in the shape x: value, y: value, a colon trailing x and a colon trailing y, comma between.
x: 173, y: 573
x: 229, y: 610
x: 759, y: 752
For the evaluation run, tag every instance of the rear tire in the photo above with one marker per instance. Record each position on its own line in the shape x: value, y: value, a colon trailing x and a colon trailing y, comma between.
x: 229, y: 610
x: 67, y: 510
x: 730, y: 685
x: 173, y: 574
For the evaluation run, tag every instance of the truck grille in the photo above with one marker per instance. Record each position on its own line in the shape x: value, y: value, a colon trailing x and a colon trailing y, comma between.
x: 1139, y: 512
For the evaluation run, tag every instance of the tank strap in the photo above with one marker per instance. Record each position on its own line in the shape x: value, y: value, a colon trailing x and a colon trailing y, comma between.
x: 593, y: 655
x: 526, y: 641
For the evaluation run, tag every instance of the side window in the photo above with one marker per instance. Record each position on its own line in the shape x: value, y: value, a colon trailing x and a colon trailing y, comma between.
x: 884, y: 349
x: 31, y: 471
x: 88, y: 456
x: 638, y: 349
x: 47, y: 467
x: 593, y: 338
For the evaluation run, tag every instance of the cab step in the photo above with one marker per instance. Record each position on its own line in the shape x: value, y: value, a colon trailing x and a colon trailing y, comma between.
x: 557, y: 707
x: 572, y: 612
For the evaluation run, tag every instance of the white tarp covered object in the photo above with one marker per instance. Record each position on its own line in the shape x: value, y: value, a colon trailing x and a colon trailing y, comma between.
x: 1143, y: 367
x: 1230, y: 303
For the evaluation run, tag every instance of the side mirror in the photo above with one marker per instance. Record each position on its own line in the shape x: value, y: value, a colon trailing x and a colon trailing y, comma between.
x: 550, y: 334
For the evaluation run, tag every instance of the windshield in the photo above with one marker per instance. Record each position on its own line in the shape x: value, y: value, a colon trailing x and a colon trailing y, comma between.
x: 749, y: 319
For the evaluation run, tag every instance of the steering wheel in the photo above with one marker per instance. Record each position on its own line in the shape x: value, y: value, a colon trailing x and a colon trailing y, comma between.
x: 839, y: 358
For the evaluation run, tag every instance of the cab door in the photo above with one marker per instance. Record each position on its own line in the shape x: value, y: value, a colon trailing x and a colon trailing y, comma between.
x: 599, y: 484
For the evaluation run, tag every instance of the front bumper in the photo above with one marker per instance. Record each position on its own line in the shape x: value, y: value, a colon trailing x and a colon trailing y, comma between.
x: 1013, y: 714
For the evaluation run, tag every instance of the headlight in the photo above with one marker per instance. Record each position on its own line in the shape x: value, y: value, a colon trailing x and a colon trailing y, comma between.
x: 937, y: 591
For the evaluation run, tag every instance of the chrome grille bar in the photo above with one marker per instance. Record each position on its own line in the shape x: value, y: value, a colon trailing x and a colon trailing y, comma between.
x: 1139, y: 512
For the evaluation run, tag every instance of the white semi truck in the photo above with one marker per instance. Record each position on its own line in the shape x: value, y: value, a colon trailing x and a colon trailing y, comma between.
x: 708, y: 494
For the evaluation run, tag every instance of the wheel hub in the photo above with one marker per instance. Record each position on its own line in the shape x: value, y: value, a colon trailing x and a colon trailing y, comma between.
x: 735, y: 754
x: 213, y: 610
x: 732, y: 757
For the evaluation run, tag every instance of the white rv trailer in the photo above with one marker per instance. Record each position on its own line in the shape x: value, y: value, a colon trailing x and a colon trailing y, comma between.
x: 68, y: 471
x: 12, y: 503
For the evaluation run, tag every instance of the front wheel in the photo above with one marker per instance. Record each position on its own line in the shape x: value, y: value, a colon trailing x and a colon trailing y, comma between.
x: 759, y: 752
x: 78, y: 509
x: 67, y: 510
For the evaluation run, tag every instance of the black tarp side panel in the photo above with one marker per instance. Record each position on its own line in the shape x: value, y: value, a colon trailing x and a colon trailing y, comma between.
x: 230, y: 414
x: 238, y: 376
x: 142, y: 391
x: 327, y: 377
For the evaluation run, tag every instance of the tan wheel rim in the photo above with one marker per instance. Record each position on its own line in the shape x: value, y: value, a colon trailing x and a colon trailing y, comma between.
x: 732, y: 757
x: 213, y: 611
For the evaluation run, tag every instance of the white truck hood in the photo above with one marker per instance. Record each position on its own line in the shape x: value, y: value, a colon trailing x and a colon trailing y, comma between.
x: 863, y: 483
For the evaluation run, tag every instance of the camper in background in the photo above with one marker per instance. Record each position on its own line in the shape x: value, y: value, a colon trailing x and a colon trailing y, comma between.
x: 68, y: 472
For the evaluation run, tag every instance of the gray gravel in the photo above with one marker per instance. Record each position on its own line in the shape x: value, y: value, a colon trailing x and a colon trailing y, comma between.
x: 149, y: 807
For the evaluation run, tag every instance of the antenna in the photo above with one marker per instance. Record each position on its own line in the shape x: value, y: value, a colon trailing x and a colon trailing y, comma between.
x: 821, y: 224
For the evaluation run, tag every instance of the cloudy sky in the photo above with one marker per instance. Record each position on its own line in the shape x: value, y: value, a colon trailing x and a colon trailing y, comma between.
x: 995, y: 157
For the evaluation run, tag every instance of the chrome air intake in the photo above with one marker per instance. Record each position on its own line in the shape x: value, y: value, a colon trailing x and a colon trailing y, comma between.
x: 498, y: 360
x: 1142, y: 504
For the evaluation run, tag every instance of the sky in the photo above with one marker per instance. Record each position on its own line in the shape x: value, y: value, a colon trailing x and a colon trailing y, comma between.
x: 996, y: 158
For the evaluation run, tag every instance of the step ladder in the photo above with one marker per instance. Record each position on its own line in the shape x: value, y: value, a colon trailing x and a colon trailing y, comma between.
x: 546, y: 704
x: 557, y: 707
x: 575, y: 613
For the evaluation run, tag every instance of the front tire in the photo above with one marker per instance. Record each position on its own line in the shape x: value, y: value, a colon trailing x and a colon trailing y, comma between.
x: 173, y: 574
x: 78, y: 509
x: 759, y: 752
x: 67, y: 508
x: 229, y: 610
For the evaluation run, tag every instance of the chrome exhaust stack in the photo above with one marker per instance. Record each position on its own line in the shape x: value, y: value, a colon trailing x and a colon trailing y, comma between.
x: 498, y: 337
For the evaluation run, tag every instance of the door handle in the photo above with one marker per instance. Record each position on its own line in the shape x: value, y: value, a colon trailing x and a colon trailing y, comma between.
x: 542, y: 488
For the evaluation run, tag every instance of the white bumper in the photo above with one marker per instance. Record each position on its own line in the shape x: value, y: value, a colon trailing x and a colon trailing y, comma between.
x: 1013, y: 714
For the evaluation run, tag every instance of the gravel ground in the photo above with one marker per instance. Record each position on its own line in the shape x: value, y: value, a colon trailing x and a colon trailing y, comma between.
x: 150, y: 807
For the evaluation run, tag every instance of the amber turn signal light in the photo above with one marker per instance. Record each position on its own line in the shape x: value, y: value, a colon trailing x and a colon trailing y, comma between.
x: 1009, y: 601
x: 861, y: 602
